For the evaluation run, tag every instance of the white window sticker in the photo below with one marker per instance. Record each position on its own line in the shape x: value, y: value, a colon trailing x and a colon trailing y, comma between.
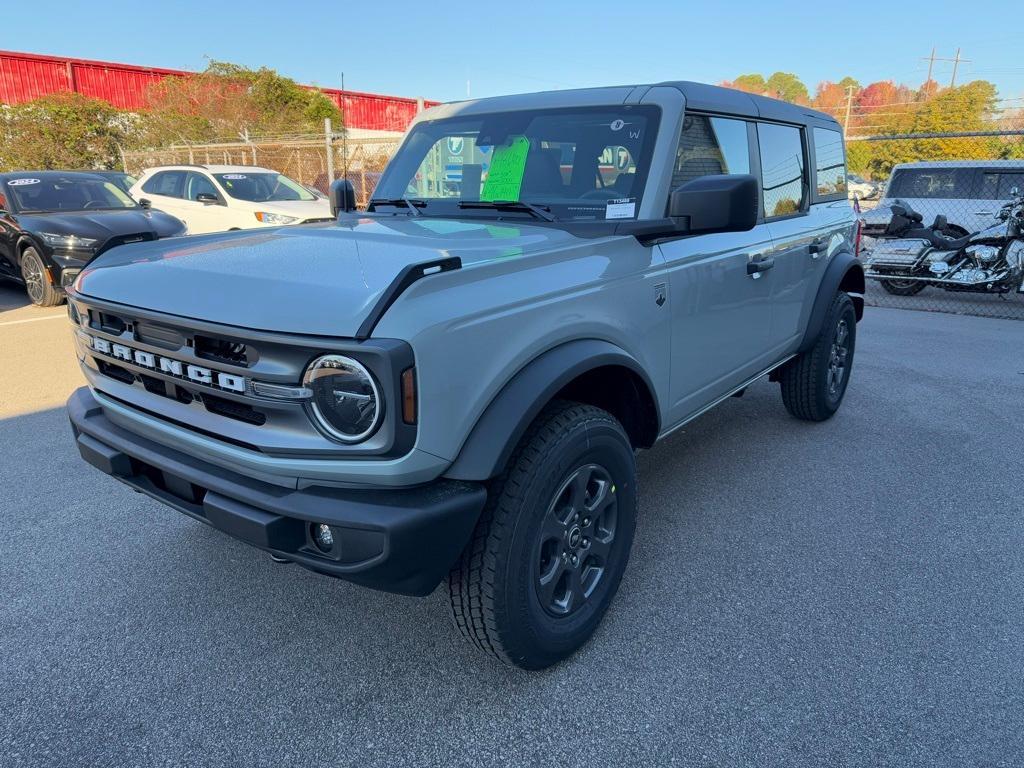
x: 234, y: 176
x: 621, y: 209
x: 21, y: 182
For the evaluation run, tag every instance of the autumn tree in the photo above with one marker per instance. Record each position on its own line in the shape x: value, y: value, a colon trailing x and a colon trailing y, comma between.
x: 228, y: 100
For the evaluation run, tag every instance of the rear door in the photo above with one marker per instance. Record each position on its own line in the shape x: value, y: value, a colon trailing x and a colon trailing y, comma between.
x: 804, y: 171
x: 164, y: 189
x: 785, y: 197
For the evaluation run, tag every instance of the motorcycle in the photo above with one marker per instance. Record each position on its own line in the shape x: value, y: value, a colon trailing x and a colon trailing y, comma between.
x: 907, y: 257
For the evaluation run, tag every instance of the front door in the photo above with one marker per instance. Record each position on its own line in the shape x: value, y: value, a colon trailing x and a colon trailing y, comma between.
x: 721, y: 315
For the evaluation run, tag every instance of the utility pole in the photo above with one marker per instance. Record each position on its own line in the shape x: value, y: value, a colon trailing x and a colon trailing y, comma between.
x: 849, y: 103
x: 956, y: 61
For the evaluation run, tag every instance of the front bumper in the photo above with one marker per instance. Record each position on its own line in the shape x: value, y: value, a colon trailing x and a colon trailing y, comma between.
x: 398, y: 540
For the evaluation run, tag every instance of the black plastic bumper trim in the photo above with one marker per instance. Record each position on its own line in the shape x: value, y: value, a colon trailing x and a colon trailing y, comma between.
x: 397, y: 540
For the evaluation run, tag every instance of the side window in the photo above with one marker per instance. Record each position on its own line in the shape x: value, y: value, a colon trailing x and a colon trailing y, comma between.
x: 166, y: 183
x: 830, y: 164
x: 997, y: 186
x: 197, y: 184
x: 709, y: 146
x: 783, y: 174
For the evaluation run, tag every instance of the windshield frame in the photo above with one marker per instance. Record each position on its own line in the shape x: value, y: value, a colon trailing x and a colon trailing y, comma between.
x: 401, y: 170
x: 219, y: 179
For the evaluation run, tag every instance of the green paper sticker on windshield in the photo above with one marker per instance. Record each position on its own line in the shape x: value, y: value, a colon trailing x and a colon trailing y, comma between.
x: 505, y: 176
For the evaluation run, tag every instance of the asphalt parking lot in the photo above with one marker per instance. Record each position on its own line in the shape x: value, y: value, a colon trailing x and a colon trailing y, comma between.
x: 850, y: 593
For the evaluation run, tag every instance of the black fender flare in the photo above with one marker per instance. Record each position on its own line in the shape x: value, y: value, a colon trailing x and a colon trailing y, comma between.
x: 844, y: 272
x: 500, y: 427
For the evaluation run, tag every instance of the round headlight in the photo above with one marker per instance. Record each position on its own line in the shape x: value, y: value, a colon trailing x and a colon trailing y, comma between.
x: 346, y: 403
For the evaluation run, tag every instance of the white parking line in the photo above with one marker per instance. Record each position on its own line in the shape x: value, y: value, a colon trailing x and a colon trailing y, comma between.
x: 34, y: 319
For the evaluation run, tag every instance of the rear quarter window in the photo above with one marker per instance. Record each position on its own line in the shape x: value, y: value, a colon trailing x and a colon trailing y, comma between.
x: 829, y: 163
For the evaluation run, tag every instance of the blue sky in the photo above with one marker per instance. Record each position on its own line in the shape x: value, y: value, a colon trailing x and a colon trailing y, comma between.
x: 431, y: 49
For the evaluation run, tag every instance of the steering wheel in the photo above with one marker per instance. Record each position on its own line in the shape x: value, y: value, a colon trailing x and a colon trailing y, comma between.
x: 89, y: 204
x: 600, y: 194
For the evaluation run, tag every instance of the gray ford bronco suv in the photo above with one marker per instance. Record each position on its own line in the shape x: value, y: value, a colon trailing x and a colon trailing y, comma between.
x: 452, y: 385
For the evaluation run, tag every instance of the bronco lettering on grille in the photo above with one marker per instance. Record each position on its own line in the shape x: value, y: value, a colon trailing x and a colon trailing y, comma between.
x: 168, y: 366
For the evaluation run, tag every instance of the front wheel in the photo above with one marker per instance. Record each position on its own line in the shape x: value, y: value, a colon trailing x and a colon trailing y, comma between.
x: 553, y: 541
x: 37, y: 281
x: 813, y: 383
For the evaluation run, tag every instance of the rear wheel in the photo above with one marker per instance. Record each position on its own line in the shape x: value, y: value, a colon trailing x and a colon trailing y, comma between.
x: 553, y: 541
x: 813, y: 384
x: 903, y: 287
x: 37, y: 281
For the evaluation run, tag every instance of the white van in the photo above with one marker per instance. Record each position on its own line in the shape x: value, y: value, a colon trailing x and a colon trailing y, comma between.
x: 215, y: 198
x: 969, y: 193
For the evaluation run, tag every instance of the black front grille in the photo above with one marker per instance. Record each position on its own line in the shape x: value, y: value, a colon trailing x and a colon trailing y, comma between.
x: 115, y: 371
x: 222, y: 350
x: 233, y: 410
x: 106, y: 322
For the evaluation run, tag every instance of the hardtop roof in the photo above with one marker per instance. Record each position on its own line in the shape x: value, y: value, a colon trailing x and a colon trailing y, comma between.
x: 699, y: 96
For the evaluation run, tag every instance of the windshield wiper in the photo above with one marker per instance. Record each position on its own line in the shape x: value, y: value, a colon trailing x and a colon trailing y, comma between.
x: 540, y: 211
x: 412, y: 205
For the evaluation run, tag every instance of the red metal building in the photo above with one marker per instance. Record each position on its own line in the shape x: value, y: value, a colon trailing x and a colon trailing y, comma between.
x: 26, y: 76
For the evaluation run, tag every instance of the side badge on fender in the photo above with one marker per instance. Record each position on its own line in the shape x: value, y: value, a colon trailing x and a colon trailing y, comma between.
x: 659, y: 294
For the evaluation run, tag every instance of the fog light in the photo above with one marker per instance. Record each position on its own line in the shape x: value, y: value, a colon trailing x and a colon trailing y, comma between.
x: 322, y: 537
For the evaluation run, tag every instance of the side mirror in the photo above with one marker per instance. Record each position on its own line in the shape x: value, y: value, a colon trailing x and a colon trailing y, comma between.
x: 343, y: 197
x: 719, y: 203
x: 145, y: 202
x: 207, y: 198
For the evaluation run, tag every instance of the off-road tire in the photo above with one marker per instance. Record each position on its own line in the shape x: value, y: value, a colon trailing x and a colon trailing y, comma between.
x: 494, y: 590
x: 37, y: 281
x: 805, y: 380
x: 902, y: 287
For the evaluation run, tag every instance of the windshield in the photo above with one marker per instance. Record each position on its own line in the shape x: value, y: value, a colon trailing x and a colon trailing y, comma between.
x: 47, y: 195
x: 578, y: 163
x: 262, y: 187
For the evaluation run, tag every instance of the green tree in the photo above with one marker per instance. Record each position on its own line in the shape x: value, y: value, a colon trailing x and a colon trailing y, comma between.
x: 750, y: 83
x: 64, y: 130
x: 788, y: 87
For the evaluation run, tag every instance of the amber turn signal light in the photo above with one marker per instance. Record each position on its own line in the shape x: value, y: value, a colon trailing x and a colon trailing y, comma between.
x: 409, y: 395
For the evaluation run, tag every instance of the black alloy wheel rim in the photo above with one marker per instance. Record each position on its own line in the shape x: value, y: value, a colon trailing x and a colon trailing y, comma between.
x: 32, y: 273
x: 838, y: 356
x: 576, y: 540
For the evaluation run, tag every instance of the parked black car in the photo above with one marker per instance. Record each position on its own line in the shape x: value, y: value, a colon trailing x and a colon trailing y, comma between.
x: 53, y: 222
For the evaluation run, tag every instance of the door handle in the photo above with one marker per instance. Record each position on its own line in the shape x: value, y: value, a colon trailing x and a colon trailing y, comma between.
x: 758, y: 265
x: 817, y: 247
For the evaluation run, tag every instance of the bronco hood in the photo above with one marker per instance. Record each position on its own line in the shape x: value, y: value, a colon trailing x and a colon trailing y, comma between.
x: 319, y: 280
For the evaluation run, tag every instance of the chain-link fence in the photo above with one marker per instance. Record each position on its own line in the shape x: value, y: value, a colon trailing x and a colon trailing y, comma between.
x: 960, y: 183
x: 309, y: 159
